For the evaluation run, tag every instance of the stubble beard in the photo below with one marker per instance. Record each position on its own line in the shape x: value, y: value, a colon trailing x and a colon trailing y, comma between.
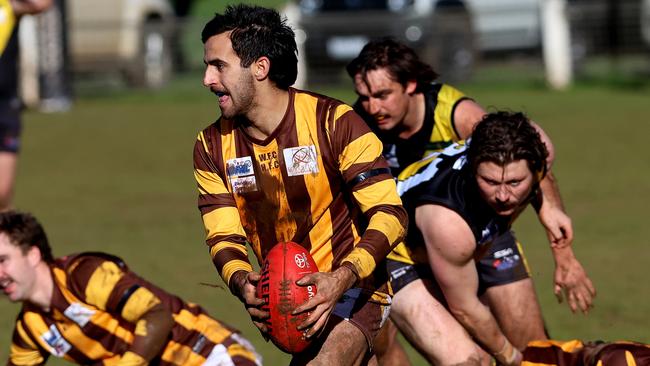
x: 244, y: 98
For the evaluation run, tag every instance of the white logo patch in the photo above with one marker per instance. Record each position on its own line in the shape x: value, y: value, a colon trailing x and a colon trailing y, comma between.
x: 503, y: 253
x: 301, y: 160
x: 79, y: 313
x: 58, y: 345
x: 241, y: 174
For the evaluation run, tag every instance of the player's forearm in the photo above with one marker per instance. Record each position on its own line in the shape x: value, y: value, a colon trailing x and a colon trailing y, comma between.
x: 386, y: 228
x: 228, y: 258
x: 479, y: 322
x: 550, y: 192
x: 151, y: 333
x: 563, y: 256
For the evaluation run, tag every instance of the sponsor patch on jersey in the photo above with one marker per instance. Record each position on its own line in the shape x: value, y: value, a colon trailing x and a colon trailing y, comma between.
x: 79, y: 313
x: 241, y: 174
x: 238, y: 167
x: 301, y: 160
x: 58, y: 345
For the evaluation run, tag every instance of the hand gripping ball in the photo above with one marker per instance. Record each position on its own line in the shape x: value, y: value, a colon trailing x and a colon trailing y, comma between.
x: 286, y: 263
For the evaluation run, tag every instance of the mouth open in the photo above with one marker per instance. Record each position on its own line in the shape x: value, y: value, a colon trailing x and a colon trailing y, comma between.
x: 223, y: 96
x: 381, y: 118
x: 4, y: 284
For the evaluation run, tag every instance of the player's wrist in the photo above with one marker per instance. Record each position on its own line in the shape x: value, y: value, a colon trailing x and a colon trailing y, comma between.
x: 237, y: 282
x: 508, y: 354
x: 564, y: 255
x: 347, y: 275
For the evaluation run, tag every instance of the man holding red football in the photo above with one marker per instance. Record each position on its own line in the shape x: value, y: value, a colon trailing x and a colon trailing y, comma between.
x: 282, y: 164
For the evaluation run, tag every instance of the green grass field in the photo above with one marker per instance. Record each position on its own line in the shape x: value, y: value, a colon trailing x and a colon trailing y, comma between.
x: 115, y: 174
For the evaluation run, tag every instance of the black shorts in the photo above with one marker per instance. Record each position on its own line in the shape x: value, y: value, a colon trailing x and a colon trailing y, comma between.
x: 357, y: 307
x: 10, y: 125
x: 503, y: 263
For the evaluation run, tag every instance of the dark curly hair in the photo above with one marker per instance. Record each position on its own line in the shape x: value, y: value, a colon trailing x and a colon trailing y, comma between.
x: 504, y: 137
x: 25, y: 232
x: 401, y: 62
x: 257, y: 32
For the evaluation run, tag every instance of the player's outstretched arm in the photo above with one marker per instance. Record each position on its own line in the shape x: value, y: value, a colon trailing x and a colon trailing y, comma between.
x: 151, y: 332
x: 331, y: 286
x: 571, y: 281
x: 451, y: 247
x: 550, y: 211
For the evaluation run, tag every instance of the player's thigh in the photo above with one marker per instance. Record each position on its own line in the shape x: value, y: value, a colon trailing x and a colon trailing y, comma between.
x: 517, y: 310
x: 341, y: 344
x: 429, y: 326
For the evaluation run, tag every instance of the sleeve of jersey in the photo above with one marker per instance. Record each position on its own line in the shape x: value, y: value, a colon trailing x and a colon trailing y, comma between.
x: 448, y: 99
x: 23, y: 351
x: 368, y: 177
x: 112, y: 288
x: 224, y: 232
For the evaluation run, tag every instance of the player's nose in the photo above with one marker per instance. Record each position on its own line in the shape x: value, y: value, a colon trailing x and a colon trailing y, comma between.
x: 502, y: 194
x: 210, y: 76
x: 373, y: 106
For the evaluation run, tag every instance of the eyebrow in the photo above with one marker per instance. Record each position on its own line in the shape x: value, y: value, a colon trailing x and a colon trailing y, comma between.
x: 379, y: 92
x: 213, y: 61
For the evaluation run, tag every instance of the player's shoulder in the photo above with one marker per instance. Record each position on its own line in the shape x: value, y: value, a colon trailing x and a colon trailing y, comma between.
x: 217, y: 127
x: 305, y: 98
x: 428, y: 172
x: 86, y: 263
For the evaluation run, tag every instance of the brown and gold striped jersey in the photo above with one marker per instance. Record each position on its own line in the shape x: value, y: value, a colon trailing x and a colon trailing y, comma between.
x: 95, y: 305
x: 319, y: 180
x: 577, y: 353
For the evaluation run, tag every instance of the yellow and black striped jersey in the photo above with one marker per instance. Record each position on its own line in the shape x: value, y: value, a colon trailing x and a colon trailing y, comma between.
x: 577, y: 353
x: 445, y: 179
x: 7, y: 22
x: 95, y: 306
x: 437, y: 132
x: 8, y: 62
x: 319, y: 180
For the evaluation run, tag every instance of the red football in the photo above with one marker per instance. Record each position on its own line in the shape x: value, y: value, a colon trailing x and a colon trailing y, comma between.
x: 286, y: 263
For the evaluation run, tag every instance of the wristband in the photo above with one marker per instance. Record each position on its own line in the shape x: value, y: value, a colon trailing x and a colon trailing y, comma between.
x: 508, y: 352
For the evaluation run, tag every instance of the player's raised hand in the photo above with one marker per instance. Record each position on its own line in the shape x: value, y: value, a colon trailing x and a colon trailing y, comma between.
x: 571, y: 281
x: 331, y: 286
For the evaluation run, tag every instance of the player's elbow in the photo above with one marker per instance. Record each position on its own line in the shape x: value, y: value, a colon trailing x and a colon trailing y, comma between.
x: 159, y: 322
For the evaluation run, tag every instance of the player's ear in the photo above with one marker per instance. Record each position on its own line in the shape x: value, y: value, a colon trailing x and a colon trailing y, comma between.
x: 411, y: 85
x: 34, y: 255
x: 261, y: 68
